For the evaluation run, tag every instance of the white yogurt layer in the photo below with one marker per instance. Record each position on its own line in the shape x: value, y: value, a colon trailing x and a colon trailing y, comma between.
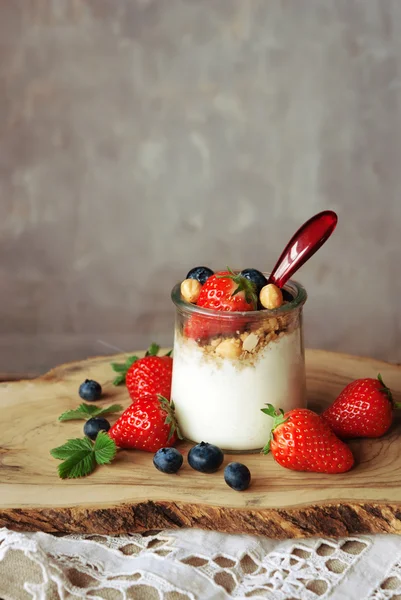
x: 219, y: 402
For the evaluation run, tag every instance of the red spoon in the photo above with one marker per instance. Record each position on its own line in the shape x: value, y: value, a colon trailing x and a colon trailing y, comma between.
x: 303, y: 244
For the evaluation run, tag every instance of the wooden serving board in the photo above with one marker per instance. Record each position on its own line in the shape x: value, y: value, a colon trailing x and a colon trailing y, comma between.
x: 131, y: 495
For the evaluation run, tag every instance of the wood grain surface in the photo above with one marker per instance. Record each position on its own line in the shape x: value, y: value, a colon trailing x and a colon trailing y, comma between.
x: 131, y: 495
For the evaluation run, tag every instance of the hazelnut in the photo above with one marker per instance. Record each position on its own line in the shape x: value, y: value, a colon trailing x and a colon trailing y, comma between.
x: 190, y: 290
x: 230, y: 348
x: 271, y: 296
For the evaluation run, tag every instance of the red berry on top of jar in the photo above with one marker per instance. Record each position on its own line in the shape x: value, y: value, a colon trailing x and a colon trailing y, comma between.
x: 224, y: 291
x: 227, y: 291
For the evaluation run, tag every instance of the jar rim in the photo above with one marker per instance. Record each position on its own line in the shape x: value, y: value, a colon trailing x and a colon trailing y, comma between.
x: 293, y: 287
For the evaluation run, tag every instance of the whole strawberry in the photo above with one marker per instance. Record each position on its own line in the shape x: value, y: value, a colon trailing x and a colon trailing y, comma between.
x: 148, y: 424
x: 229, y: 292
x: 147, y: 376
x: 223, y: 291
x: 302, y: 441
x: 365, y: 408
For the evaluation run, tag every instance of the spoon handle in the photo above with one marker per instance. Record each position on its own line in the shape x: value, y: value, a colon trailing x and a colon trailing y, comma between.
x: 303, y: 244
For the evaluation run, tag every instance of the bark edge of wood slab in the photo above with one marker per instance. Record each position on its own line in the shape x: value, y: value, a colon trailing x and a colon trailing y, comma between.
x: 131, y: 495
x: 332, y: 520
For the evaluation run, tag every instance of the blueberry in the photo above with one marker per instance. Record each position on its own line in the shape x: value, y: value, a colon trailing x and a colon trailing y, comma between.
x: 287, y: 296
x: 237, y: 476
x: 256, y: 277
x: 94, y: 425
x: 200, y: 273
x: 168, y: 460
x: 90, y: 390
x: 205, y: 457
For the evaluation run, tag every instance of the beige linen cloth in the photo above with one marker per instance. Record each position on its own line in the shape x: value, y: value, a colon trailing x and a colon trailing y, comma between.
x: 190, y: 564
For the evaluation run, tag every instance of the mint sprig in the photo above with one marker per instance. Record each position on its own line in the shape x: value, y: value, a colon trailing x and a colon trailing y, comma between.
x: 81, y: 463
x: 87, y: 411
x: 104, y: 448
x: 80, y: 455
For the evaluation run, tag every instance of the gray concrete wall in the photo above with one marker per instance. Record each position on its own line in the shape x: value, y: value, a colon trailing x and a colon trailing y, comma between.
x: 139, y: 138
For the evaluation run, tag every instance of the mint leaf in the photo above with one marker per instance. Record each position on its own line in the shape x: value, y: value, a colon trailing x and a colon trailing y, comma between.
x: 87, y: 411
x: 104, y: 449
x: 77, y: 465
x: 71, y: 447
x: 84, y: 411
x: 80, y: 455
x: 109, y: 409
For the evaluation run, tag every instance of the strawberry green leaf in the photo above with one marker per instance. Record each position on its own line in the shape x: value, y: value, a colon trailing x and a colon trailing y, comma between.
x: 266, y: 449
x: 270, y: 410
x: 243, y: 285
x: 119, y: 379
x: 170, y: 420
x: 71, y: 447
x: 277, y: 416
x: 122, y: 368
x: 386, y: 390
x: 119, y: 367
x: 130, y: 360
x: 153, y: 350
x: 80, y: 464
x: 169, y: 353
x: 87, y: 411
x: 104, y: 448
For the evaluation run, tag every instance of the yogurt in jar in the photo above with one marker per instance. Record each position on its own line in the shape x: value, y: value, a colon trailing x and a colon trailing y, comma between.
x: 219, y: 400
x: 221, y: 382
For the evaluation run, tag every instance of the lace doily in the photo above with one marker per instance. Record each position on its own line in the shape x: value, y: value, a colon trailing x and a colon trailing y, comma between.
x: 193, y: 564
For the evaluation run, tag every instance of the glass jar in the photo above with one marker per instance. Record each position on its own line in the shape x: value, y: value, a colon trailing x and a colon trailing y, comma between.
x: 228, y: 365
